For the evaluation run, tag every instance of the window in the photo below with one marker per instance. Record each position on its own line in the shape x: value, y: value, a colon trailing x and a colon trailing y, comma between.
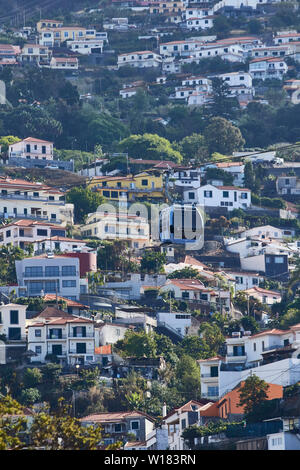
x: 118, y: 427
x: 38, y: 349
x: 254, y: 346
x: 279, y: 259
x: 106, y: 193
x: 207, y: 193
x: 244, y: 196
x: 14, y: 317
x: 183, y: 424
x: 212, y: 391
x: 185, y: 295
x: 68, y: 271
x: 37, y: 333
x: 69, y: 283
x: 225, y: 193
x: 80, y: 348
x: 135, y: 425
x: 34, y: 271
x: 8, y: 233
x: 50, y: 287
x: 51, y: 271
x: 42, y: 232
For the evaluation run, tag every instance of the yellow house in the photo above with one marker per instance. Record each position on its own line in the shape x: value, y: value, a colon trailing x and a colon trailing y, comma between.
x: 162, y: 7
x: 43, y: 24
x: 143, y: 186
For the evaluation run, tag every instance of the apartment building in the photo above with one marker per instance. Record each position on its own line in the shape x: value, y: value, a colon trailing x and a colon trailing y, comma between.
x: 25, y: 232
x: 68, y: 337
x: 49, y: 274
x: 31, y: 148
x: 13, y: 327
x: 231, y: 197
x: 268, y: 68
x: 26, y: 200
x: 175, y: 321
x: 110, y: 226
x: 141, y: 59
x: 286, y: 38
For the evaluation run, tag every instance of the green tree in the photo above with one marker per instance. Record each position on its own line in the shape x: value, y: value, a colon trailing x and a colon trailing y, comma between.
x: 249, y: 177
x: 7, y: 140
x: 137, y: 344
x: 85, y: 201
x: 62, y: 432
x: 151, y: 147
x: 252, y: 394
x: 29, y: 396
x: 222, y: 136
x: 152, y: 262
x: 193, y: 147
x: 212, y: 337
x: 188, y: 374
x: 185, y: 273
x: 223, y: 105
x: 32, y: 377
x: 10, y: 428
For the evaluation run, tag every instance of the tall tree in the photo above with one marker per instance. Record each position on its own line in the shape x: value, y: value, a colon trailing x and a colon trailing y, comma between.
x: 252, y: 394
x: 222, y: 136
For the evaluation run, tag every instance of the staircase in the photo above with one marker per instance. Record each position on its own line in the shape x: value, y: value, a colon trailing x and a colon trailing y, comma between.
x: 167, y: 330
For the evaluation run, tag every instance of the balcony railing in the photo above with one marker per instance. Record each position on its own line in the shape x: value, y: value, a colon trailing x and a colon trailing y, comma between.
x: 209, y: 376
x: 56, y: 337
x: 81, y: 336
x: 22, y: 197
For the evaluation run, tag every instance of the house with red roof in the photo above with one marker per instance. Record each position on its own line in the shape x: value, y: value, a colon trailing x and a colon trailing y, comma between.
x: 268, y: 67
x: 272, y: 355
x: 183, y: 417
x: 55, y: 332
x: 119, y: 424
x: 23, y: 199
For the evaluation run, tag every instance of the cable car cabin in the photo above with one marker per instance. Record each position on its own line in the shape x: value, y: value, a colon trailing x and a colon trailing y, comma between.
x: 180, y: 224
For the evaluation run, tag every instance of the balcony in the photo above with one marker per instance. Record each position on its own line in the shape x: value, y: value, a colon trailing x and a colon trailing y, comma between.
x: 56, y: 337
x: 81, y: 336
x: 90, y: 352
x: 209, y: 378
x: 236, y: 358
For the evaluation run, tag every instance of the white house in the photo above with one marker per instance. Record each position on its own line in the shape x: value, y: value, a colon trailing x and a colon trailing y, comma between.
x: 267, y: 354
x: 48, y: 274
x: 178, y: 419
x: 236, y: 169
x: 31, y: 148
x: 267, y: 232
x: 268, y: 68
x: 231, y: 197
x: 264, y: 296
x: 272, y: 51
x: 13, y: 327
x: 140, y: 59
x: 195, y: 23
x: 86, y: 46
x: 180, y: 322
x: 54, y: 332
x: 110, y: 226
x: 245, y: 280
x: 285, y: 38
x: 27, y: 200
x: 64, y: 63
x: 25, y: 231
x: 36, y: 53
x: 288, y: 438
x: 60, y: 243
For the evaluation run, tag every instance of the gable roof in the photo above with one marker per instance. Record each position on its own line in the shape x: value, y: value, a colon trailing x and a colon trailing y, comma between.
x: 116, y: 416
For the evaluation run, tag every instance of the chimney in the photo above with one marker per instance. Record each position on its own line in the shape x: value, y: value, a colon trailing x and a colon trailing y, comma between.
x: 164, y: 410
